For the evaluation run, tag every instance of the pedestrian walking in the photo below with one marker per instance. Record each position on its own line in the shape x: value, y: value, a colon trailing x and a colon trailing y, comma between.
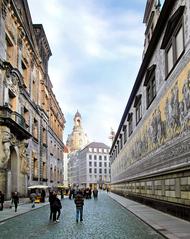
x: 2, y: 199
x: 52, y: 197
x: 15, y: 200
x: 43, y: 195
x: 79, y: 201
x: 95, y: 193
x: 56, y: 208
x: 32, y: 198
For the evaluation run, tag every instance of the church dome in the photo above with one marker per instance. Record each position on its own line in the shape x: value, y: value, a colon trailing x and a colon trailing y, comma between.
x: 77, y: 114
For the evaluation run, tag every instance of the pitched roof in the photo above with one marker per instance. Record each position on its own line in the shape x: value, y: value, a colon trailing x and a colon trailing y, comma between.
x: 97, y: 145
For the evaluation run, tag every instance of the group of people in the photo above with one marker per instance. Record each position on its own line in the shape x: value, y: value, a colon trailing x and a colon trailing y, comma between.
x: 86, y: 193
x: 15, y: 200
x: 55, y: 203
x: 55, y: 206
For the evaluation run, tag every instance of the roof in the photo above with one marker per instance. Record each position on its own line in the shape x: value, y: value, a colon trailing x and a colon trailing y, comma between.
x: 97, y: 145
x: 77, y: 114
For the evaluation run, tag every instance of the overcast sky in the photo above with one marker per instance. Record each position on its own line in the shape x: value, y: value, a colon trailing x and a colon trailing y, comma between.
x: 97, y: 50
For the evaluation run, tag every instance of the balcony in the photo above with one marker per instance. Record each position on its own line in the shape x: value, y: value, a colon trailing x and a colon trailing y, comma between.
x: 15, y: 122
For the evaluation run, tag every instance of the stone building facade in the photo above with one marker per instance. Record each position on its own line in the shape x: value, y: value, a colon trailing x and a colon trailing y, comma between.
x: 75, y: 142
x: 31, y: 120
x: 94, y: 166
x: 78, y: 138
x: 151, y: 150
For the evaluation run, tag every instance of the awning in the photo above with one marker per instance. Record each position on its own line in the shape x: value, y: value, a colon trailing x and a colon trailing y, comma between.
x: 38, y: 187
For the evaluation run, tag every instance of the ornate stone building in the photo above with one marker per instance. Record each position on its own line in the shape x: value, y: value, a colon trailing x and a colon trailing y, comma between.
x: 31, y: 121
x: 75, y: 142
x: 151, y: 150
x: 77, y: 139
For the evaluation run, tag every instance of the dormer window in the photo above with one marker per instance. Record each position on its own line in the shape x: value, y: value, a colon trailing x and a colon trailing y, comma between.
x: 173, y: 41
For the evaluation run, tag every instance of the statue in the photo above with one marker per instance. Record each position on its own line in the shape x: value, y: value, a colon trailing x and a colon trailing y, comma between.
x: 24, y: 167
x: 6, y: 143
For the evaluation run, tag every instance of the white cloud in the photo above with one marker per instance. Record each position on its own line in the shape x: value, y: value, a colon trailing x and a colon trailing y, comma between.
x: 81, y: 36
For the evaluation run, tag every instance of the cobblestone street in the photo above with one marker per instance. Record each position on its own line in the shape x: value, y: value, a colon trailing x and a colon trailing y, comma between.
x: 103, y: 218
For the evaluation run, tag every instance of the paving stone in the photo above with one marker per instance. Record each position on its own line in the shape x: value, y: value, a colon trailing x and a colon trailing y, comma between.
x: 103, y: 218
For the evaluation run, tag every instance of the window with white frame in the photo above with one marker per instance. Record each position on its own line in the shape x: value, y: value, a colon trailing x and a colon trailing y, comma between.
x: 173, y: 40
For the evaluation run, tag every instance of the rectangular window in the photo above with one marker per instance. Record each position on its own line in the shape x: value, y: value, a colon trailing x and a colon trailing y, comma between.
x: 95, y: 164
x: 95, y: 170
x: 95, y: 157
x: 169, y: 56
x: 173, y: 39
x: 90, y: 163
x: 151, y: 89
x: 125, y: 134
x: 100, y: 157
x: 130, y: 125
x: 121, y: 141
x: 105, y: 164
x: 9, y: 50
x: 90, y: 170
x: 138, y: 111
x: 24, y: 73
x: 35, y: 129
x: 105, y: 158
x: 179, y: 42
x: 100, y: 170
x: 90, y: 156
x: 100, y: 164
x: 105, y: 170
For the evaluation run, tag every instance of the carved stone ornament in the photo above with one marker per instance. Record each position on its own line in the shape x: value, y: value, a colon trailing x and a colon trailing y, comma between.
x: 24, y: 165
x: 6, y: 143
x: 12, y: 82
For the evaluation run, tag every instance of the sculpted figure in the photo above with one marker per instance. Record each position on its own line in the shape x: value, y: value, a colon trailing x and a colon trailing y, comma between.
x: 24, y: 167
x: 6, y: 143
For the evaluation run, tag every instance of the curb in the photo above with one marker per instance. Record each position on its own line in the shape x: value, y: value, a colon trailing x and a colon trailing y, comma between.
x: 21, y: 213
x: 158, y: 230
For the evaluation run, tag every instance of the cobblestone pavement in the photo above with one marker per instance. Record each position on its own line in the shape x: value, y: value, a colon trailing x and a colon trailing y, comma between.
x: 103, y: 218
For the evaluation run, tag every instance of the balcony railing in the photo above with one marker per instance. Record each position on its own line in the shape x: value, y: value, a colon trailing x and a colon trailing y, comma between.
x: 14, y: 121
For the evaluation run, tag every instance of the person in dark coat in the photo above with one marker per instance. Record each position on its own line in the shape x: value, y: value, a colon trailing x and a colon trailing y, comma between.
x: 52, y: 196
x: 15, y: 200
x: 56, y: 208
x: 2, y: 199
x: 43, y: 195
x: 79, y: 201
x: 95, y: 193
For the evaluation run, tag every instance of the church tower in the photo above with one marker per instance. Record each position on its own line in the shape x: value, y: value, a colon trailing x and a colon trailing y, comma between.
x: 77, y: 139
x: 151, y: 15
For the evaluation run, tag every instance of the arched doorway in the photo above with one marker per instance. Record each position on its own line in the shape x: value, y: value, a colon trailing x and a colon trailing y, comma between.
x: 12, y: 173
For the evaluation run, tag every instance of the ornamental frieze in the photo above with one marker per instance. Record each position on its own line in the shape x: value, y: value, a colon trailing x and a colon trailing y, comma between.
x: 167, y: 125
